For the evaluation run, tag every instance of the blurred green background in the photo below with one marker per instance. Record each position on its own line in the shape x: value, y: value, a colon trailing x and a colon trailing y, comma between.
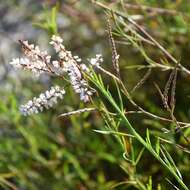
x: 46, y: 152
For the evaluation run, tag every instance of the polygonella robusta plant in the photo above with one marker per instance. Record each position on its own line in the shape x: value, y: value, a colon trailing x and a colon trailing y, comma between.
x: 86, y: 80
x: 39, y: 62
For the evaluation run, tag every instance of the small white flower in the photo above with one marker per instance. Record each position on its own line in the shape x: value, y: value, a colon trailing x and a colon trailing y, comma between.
x: 117, y: 57
x: 97, y: 60
x: 77, y: 58
x: 62, y: 55
x: 55, y: 64
x: 93, y: 61
x: 84, y: 68
x: 57, y: 39
x: 15, y: 62
x: 48, y: 58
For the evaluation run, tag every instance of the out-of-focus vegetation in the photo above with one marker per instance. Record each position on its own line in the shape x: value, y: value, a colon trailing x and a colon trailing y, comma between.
x: 46, y: 152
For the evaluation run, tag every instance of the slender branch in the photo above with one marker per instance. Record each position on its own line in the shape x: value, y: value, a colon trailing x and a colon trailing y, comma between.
x: 157, y: 117
x: 77, y: 112
x: 157, y: 65
x: 173, y: 59
x: 154, y: 9
x: 177, y: 145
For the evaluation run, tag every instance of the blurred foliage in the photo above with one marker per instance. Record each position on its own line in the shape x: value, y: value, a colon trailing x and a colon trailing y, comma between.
x: 47, y: 152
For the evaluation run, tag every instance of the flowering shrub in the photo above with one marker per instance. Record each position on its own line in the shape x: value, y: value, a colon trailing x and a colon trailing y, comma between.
x: 112, y: 103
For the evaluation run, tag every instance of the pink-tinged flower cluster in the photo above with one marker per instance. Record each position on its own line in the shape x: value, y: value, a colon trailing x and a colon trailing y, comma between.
x: 45, y: 100
x: 39, y: 62
x: 70, y: 64
x: 35, y: 60
x: 97, y: 60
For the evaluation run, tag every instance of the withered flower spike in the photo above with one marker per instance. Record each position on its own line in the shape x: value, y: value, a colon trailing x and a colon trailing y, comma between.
x: 115, y: 56
x: 173, y: 90
x: 167, y: 88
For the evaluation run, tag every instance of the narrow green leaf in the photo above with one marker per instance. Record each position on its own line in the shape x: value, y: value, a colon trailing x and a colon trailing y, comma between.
x: 158, y: 146
x: 139, y: 156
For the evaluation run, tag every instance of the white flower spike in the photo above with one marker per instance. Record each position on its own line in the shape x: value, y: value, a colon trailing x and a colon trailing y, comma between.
x: 45, y: 100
